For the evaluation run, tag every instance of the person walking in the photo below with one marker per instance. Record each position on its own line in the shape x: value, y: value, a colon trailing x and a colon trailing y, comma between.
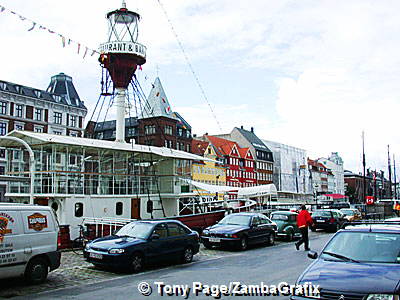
x: 304, y: 220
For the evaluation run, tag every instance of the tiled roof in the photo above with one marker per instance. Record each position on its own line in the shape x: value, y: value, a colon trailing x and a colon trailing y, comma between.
x: 181, y: 121
x: 157, y: 104
x: 222, y: 146
x: 61, y: 90
x: 199, y: 147
x: 253, y: 140
x: 243, y: 152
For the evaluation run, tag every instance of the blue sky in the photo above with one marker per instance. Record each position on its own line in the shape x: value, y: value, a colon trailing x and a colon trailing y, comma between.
x: 311, y: 74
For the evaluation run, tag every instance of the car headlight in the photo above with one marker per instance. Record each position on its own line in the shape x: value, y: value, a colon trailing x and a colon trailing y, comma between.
x: 116, y: 251
x: 382, y: 297
x: 205, y: 232
x: 87, y: 247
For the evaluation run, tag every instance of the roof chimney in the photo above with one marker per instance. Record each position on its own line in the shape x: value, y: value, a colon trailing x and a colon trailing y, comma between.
x: 241, y: 127
x: 252, y: 129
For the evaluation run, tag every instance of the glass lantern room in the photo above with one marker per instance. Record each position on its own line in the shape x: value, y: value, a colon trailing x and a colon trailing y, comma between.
x: 123, y: 25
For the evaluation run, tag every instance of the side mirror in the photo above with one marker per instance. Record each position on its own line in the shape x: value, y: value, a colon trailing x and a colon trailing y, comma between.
x: 155, y: 236
x: 312, y: 254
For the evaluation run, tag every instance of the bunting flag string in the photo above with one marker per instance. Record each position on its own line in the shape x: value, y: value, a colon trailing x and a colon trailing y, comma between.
x: 63, y: 38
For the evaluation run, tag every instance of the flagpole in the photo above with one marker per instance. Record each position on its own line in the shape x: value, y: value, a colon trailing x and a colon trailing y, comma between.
x: 395, y: 183
x: 363, y: 162
x: 390, y: 175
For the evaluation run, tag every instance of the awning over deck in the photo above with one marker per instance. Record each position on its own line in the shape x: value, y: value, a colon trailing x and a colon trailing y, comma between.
x: 254, y: 191
x: 210, y: 187
x: 258, y: 191
x: 46, y: 138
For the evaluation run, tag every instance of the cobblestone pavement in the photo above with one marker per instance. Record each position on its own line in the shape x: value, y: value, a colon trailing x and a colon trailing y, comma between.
x: 75, y: 271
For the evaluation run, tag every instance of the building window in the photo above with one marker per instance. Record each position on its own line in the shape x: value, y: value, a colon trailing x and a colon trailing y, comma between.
x: 38, y: 129
x: 73, y: 133
x: 78, y: 209
x: 119, y: 208
x: 3, y: 128
x: 168, y: 129
x: 72, y: 121
x: 38, y: 114
x: 57, y: 118
x: 131, y: 131
x: 149, y: 129
x: 3, y: 107
x: 2, y: 170
x: 187, y: 147
x: 19, y: 110
x: 180, y: 131
x: 19, y: 127
x: 2, y: 153
x: 57, y: 132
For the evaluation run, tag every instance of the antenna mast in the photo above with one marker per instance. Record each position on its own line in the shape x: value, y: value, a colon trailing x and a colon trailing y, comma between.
x: 363, y: 162
x: 390, y: 175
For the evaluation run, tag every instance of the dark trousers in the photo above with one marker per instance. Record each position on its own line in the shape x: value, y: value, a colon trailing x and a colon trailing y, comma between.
x: 304, y: 237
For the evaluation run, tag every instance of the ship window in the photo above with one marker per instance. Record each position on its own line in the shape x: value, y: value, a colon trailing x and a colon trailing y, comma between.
x: 119, y: 208
x: 78, y: 209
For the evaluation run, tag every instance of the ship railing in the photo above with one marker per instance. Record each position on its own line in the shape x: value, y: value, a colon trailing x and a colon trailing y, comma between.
x: 99, y: 227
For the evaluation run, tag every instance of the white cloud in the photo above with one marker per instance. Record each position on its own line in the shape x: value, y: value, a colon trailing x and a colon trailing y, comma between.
x: 335, y: 63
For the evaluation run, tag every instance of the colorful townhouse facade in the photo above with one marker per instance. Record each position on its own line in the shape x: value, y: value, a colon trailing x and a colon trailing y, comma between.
x: 238, y: 162
x: 206, y: 171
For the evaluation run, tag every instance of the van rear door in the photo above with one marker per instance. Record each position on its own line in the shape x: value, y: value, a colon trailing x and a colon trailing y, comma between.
x: 13, y: 257
x: 41, y: 229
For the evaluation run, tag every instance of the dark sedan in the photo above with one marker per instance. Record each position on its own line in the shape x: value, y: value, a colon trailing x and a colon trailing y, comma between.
x: 327, y: 219
x: 240, y: 230
x: 142, y: 242
x: 359, y: 263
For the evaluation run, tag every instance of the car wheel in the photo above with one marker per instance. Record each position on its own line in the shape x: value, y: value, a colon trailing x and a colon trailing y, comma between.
x: 37, y: 270
x: 243, y: 244
x: 271, y: 239
x: 289, y: 236
x: 136, y: 263
x: 187, y: 255
x: 313, y: 229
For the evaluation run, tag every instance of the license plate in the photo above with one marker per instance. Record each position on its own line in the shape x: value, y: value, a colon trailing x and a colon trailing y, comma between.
x: 95, y: 255
x: 320, y: 221
x: 214, y: 240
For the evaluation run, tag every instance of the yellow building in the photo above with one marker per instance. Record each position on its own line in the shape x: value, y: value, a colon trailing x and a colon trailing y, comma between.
x: 207, y: 172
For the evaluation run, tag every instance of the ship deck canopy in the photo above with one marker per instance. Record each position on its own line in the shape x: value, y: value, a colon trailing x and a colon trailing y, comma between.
x: 258, y: 191
x: 34, y: 138
x: 253, y: 191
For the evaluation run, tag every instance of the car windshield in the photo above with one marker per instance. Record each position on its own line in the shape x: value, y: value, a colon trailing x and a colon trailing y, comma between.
x: 236, y: 220
x: 136, y: 230
x: 321, y: 213
x: 279, y: 217
x: 348, y: 212
x: 364, y: 247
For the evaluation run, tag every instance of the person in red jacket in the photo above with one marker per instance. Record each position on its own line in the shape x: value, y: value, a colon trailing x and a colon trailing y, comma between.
x: 304, y: 220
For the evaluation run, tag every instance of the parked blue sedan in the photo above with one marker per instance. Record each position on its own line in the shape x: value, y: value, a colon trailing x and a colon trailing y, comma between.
x: 240, y: 230
x: 142, y: 242
x: 361, y: 262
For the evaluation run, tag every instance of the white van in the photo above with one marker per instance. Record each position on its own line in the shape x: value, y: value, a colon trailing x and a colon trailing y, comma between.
x: 28, y: 241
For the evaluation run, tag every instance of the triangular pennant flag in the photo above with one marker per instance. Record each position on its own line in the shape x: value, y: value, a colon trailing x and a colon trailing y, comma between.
x: 2, y: 8
x: 51, y: 31
x: 79, y: 47
x: 94, y: 51
x: 42, y: 27
x: 140, y: 68
x: 13, y: 12
x: 33, y: 26
x: 86, y: 50
x: 22, y: 18
x: 63, y: 41
x: 158, y: 94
